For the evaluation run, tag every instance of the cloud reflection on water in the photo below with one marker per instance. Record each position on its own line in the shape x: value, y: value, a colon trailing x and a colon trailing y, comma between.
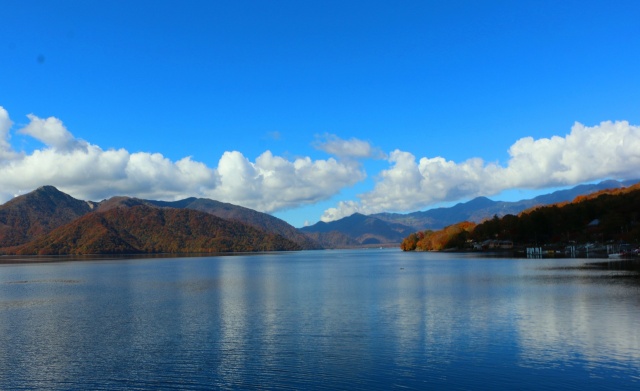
x: 332, y: 319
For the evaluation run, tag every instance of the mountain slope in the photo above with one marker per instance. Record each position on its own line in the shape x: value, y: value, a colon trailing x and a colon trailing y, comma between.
x: 37, y: 213
x: 609, y: 216
x: 482, y: 208
x: 332, y: 239
x: 34, y: 214
x: 147, y: 229
x: 434, y: 218
x: 262, y: 221
x: 363, y: 229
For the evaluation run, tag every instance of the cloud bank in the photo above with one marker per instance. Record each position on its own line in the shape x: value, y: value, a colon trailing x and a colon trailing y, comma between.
x: 86, y: 171
x: 608, y: 150
x: 273, y: 183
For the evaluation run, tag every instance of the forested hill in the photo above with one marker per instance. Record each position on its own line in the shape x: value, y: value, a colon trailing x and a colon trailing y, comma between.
x: 391, y: 228
x: 262, y: 221
x: 145, y: 229
x: 47, y: 220
x: 608, y: 215
x: 28, y: 216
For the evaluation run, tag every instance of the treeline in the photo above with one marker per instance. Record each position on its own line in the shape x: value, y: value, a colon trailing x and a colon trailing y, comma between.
x: 604, y: 216
x: 453, y: 236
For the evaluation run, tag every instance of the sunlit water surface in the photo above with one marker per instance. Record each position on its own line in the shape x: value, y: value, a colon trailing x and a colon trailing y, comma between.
x: 367, y: 319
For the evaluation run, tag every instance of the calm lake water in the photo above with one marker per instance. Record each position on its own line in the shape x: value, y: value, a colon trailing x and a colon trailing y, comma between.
x: 366, y: 319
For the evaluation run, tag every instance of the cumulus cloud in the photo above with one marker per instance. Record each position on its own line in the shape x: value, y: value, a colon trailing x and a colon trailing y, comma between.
x: 274, y: 183
x: 93, y: 173
x: 5, y: 125
x: 611, y: 149
x: 352, y: 148
x: 6, y: 151
x: 607, y: 150
x: 52, y: 133
x: 86, y: 171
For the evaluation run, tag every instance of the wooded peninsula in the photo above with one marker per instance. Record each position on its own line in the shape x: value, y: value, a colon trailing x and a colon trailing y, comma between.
x: 608, y: 216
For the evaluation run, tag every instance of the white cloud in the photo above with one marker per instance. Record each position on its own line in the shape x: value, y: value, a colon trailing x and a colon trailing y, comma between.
x: 6, y: 151
x: 93, y: 173
x: 344, y: 209
x: 86, y: 171
x: 352, y: 148
x: 5, y: 125
x: 274, y: 183
x: 52, y: 133
x: 608, y: 150
x: 611, y: 149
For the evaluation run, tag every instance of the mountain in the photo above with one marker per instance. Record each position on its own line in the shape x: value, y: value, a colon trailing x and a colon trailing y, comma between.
x: 606, y: 216
x: 384, y: 228
x: 482, y: 208
x: 241, y: 214
x: 332, y: 239
x: 36, y: 214
x: 580, y: 190
x: 120, y: 202
x: 440, y: 217
x: 28, y: 216
x: 364, y: 230
x: 148, y: 229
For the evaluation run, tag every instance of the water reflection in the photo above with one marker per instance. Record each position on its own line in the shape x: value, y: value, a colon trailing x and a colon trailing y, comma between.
x: 576, y: 315
x: 343, y: 319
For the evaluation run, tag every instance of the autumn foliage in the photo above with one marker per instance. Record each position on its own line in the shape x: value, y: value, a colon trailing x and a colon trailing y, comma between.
x: 145, y: 229
x: 603, y: 216
x: 29, y: 216
x: 453, y: 236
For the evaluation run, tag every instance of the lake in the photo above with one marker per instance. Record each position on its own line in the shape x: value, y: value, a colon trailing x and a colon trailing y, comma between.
x: 356, y: 319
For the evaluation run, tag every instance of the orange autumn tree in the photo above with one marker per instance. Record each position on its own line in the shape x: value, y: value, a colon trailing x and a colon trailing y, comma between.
x: 453, y: 236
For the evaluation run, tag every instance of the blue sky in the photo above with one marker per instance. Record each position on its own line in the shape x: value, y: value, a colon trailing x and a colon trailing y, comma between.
x: 313, y: 110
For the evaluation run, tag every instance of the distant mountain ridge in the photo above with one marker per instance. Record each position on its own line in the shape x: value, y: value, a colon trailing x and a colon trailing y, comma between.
x: 386, y: 228
x: 364, y: 230
x: 36, y: 215
x: 605, y: 217
x: 481, y: 208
